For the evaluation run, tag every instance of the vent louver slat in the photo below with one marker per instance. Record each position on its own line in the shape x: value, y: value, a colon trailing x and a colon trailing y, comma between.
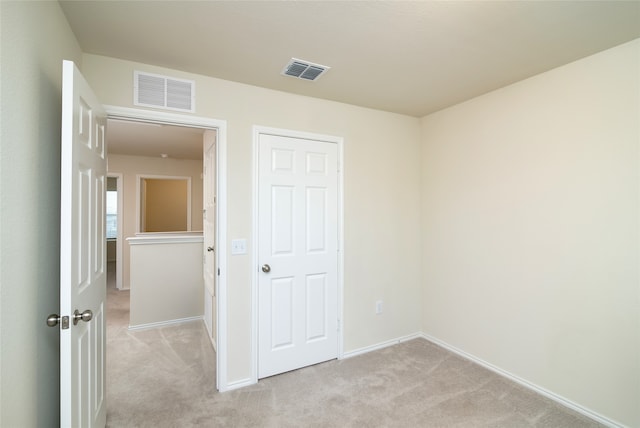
x: 296, y: 69
x: 312, y: 73
x: 304, y: 69
x: 152, y: 90
x: 178, y: 94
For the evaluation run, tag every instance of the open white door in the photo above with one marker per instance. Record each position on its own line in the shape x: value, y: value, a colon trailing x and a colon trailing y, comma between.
x: 82, y: 254
x: 209, y: 237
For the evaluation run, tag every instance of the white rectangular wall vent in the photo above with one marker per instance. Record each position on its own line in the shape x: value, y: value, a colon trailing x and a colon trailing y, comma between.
x: 302, y: 69
x: 154, y: 90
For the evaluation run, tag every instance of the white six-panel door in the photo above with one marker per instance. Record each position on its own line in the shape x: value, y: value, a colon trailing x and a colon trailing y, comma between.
x: 297, y: 253
x: 82, y: 254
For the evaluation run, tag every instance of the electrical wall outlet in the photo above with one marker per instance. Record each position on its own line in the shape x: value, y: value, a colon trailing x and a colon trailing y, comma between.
x: 379, y: 307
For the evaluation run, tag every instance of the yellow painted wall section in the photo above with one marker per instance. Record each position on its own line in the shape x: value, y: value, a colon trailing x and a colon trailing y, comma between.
x: 165, y: 205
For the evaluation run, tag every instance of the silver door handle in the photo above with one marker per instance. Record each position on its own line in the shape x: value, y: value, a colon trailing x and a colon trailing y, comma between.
x: 53, y: 320
x: 85, y: 316
x: 266, y: 268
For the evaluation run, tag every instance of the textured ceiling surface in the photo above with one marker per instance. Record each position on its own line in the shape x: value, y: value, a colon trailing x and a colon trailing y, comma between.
x: 152, y: 140
x: 409, y: 57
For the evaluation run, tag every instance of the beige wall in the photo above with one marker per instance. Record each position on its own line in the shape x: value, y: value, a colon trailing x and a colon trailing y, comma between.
x: 166, y: 279
x: 382, y: 198
x: 34, y: 39
x: 530, y: 230
x: 130, y: 167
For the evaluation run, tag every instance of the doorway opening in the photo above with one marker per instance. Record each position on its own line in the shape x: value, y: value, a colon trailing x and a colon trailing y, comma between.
x: 191, y: 127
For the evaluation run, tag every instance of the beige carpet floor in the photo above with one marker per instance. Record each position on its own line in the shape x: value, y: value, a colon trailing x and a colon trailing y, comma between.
x: 165, y: 377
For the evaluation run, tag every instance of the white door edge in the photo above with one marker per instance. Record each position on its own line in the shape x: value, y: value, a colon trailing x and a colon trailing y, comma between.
x: 265, y: 130
x: 126, y: 113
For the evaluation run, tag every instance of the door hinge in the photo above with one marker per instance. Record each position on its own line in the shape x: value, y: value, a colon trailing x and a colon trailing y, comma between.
x: 218, y: 271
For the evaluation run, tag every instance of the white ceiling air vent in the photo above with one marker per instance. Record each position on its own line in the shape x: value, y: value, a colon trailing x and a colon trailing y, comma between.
x: 304, y: 69
x: 154, y: 90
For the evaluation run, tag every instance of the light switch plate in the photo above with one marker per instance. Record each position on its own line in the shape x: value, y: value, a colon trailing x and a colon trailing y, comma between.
x: 239, y: 246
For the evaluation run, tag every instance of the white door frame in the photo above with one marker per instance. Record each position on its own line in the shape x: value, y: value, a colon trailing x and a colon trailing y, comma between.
x: 118, y: 176
x: 125, y: 113
x: 257, y: 131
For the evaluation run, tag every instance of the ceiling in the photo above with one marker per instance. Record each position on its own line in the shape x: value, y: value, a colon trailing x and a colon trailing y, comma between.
x: 412, y: 58
x: 152, y: 140
x: 408, y: 57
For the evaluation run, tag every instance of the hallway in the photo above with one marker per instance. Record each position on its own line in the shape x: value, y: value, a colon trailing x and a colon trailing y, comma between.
x: 156, y: 376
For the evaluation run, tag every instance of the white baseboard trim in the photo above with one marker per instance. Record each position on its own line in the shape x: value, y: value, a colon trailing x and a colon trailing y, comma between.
x: 164, y: 323
x: 380, y: 345
x: 238, y: 384
x: 546, y: 393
